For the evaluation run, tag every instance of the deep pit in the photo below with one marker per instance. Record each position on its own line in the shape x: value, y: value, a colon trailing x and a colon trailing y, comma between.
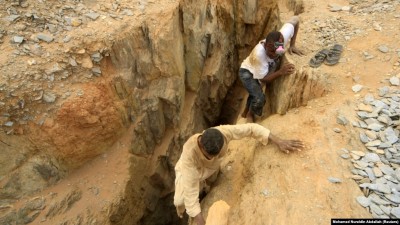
x: 155, y: 80
x: 304, y: 86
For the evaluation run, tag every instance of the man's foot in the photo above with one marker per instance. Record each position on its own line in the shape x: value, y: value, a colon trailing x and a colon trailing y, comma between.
x: 250, y: 117
x: 244, y: 113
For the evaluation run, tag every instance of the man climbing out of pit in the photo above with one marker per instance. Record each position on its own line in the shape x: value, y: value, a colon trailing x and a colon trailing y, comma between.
x: 201, y: 157
x: 263, y: 65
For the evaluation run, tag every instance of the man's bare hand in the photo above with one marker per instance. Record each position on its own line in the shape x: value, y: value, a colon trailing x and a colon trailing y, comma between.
x: 287, y: 69
x: 199, y: 219
x: 294, y: 50
x: 286, y: 145
x: 290, y: 145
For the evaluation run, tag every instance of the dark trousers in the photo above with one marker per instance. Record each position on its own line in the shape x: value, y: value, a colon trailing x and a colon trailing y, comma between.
x: 256, y: 99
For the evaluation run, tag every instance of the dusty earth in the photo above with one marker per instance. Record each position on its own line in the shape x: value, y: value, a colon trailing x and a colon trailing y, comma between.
x: 261, y: 184
x: 265, y: 186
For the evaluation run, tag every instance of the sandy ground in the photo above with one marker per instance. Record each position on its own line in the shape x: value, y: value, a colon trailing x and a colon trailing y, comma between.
x: 263, y: 185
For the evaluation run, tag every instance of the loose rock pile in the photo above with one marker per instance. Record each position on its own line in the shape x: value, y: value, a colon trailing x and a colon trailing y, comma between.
x: 337, y: 30
x: 378, y: 171
x: 49, y: 50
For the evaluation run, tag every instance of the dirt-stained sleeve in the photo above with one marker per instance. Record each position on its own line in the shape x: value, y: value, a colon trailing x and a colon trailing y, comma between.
x: 239, y: 131
x: 191, y: 189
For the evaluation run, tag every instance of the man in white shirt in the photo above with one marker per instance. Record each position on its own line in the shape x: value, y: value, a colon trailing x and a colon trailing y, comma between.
x: 262, y: 64
x: 201, y: 157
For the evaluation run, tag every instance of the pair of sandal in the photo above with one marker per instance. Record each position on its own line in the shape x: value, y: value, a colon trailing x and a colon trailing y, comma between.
x: 331, y: 57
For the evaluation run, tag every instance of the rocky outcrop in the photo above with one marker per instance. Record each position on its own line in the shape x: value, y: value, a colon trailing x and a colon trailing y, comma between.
x: 295, y: 90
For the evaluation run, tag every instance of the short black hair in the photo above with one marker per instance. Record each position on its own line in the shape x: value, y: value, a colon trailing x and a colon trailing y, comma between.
x: 212, y: 140
x: 273, y: 37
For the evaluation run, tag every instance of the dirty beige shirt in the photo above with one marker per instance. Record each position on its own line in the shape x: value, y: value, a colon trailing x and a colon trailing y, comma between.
x: 193, y: 167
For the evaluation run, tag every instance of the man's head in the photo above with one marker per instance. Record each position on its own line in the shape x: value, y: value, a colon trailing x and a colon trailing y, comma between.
x: 273, y: 41
x: 212, y: 141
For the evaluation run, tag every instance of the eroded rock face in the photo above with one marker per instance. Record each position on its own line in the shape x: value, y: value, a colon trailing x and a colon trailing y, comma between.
x: 295, y: 90
x: 163, y: 68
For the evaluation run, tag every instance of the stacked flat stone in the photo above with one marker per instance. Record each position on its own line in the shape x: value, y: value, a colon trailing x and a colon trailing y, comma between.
x: 361, y: 7
x: 377, y: 170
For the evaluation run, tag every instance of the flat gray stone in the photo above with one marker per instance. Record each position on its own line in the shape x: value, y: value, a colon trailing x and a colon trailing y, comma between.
x: 341, y: 120
x: 18, y: 39
x: 9, y: 124
x: 383, y: 103
x: 362, y: 173
x: 388, y: 155
x: 49, y: 97
x: 363, y: 137
x: 384, y: 119
x: 377, y: 172
x: 372, y: 157
x: 395, y: 81
x: 383, y: 91
x: 383, y: 48
x: 366, y: 185
x: 345, y: 156
x: 375, y: 127
x: 363, y: 125
x: 52, y: 28
x: 378, y: 200
x: 354, y: 171
x: 391, y: 135
x: 390, y: 178
x: 335, y: 8
x: 380, y: 180
x: 73, y: 62
x: 368, y: 98
x: 393, y: 198
x: 359, y: 153
x: 96, y: 57
x: 67, y: 38
x: 12, y: 18
x: 337, y: 130
x: 370, y: 173
x: 371, y: 134
x: 45, y: 37
x: 334, y: 180
x: 363, y: 201
x: 374, y: 215
x: 376, y: 209
x: 345, y: 150
x: 127, y: 12
x: 92, y: 15
x: 346, y: 8
x: 383, y: 188
x: 395, y: 212
x: 362, y: 115
x: 386, y: 209
x: 357, y: 88
x: 96, y: 70
x: 397, y: 174
x: 362, y: 164
x: 373, y: 143
x: 370, y: 121
x: 387, y: 170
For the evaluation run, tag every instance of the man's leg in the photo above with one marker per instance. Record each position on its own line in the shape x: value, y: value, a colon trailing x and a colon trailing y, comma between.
x: 178, y: 196
x: 246, y: 109
x: 256, y: 98
x: 294, y: 20
x: 258, y: 101
x: 205, y: 186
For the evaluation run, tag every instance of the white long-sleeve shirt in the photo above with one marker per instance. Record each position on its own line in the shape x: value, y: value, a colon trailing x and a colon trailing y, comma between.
x: 193, y: 167
x: 258, y: 63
